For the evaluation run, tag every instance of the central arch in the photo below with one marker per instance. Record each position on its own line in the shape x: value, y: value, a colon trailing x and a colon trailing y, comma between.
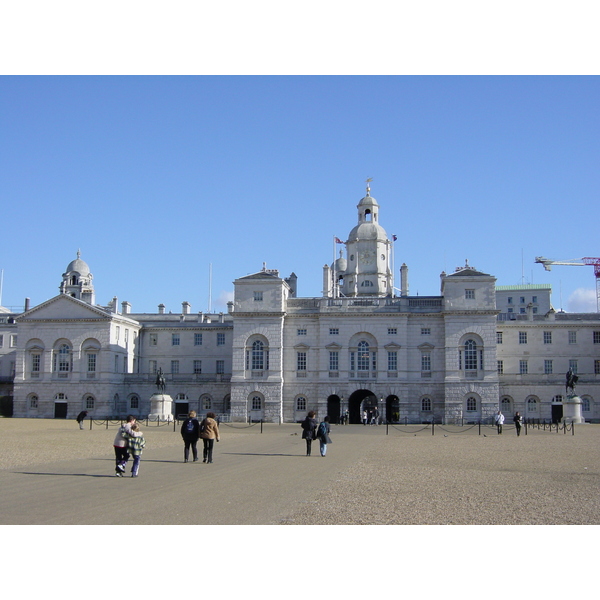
x: 360, y: 400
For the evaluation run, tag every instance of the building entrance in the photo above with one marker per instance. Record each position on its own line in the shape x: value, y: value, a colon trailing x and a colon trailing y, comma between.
x: 60, y: 410
x: 333, y: 409
x: 360, y: 401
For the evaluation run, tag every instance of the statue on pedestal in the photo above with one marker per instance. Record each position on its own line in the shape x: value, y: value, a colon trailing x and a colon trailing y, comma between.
x: 161, y: 384
x: 571, y: 381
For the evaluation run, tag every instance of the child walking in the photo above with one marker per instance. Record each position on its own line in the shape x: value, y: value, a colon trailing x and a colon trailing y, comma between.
x: 135, y: 445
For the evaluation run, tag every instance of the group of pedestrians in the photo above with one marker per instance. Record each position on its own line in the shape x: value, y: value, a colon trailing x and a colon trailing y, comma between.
x: 517, y: 419
x: 129, y: 441
x: 311, y: 431
x: 192, y: 430
x: 370, y: 416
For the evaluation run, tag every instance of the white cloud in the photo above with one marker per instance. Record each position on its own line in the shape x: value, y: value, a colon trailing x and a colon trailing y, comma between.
x: 582, y: 300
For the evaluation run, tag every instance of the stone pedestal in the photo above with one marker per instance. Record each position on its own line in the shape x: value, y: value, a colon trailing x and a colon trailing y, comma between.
x: 572, y: 410
x: 161, y: 407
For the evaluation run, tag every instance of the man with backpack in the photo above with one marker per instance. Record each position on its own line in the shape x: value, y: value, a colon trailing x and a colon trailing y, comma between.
x: 323, y: 435
x: 190, y: 432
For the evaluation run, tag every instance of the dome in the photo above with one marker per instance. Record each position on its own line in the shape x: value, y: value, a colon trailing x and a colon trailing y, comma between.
x: 78, y: 266
x: 368, y: 231
x: 340, y: 265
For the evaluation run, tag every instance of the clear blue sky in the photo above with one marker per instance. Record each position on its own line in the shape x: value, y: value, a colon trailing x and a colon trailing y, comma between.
x: 157, y: 178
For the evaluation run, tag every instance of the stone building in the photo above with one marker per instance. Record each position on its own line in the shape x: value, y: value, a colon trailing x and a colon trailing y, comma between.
x: 364, y: 344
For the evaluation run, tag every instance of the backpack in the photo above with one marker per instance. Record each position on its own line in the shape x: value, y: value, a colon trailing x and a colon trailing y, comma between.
x: 322, y: 431
x: 189, y: 427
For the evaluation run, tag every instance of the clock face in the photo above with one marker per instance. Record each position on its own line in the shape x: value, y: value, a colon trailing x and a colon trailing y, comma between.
x: 366, y: 256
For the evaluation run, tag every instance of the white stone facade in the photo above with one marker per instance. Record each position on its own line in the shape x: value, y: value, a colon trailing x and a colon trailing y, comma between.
x: 456, y: 357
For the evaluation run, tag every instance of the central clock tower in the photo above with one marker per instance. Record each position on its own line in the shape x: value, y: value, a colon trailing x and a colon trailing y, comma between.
x: 368, y: 266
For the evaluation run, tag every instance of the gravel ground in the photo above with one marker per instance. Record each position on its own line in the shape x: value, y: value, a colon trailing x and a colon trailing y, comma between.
x: 404, y: 478
x: 542, y: 478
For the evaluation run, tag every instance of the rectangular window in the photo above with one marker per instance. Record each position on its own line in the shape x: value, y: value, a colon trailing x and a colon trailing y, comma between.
x: 572, y: 337
x: 510, y: 300
x: 220, y: 367
x: 174, y: 366
x: 125, y: 365
x: 91, y: 363
x: 220, y: 339
x: 35, y: 363
x: 500, y: 364
x: 301, y: 332
x: 301, y: 361
x: 548, y: 367
x: 498, y: 337
x: 258, y: 296
x: 197, y: 367
x: 13, y: 341
x: 522, y: 337
x: 334, y: 360
x: 1, y: 340
x: 197, y: 339
x: 597, y: 367
x: 470, y: 294
x: 425, y: 361
x: 152, y: 367
x: 573, y: 365
x: 334, y: 331
x: 153, y: 339
x: 392, y: 360
x: 522, y: 299
x: 392, y: 331
x: 547, y: 337
x: 117, y: 332
x: 596, y: 337
x: 126, y: 335
x: 523, y: 367
x: 175, y: 339
x: 425, y: 331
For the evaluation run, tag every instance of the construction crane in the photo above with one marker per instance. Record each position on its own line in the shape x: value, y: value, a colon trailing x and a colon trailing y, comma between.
x: 577, y: 262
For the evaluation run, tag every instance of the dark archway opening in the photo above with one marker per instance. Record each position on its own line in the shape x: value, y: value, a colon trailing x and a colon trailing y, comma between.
x: 360, y: 401
x: 333, y: 409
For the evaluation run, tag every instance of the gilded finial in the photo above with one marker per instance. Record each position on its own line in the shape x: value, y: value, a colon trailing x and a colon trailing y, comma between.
x: 368, y: 185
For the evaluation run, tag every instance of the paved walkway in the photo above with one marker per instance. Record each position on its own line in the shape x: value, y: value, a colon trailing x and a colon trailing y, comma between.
x: 53, y: 473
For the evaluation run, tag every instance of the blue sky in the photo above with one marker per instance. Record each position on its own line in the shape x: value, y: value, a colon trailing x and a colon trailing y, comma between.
x: 157, y: 178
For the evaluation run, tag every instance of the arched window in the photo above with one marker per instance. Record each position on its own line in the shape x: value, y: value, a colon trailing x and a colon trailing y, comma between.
x: 505, y: 405
x: 301, y: 403
x: 471, y: 404
x: 134, y: 402
x: 33, y: 401
x: 89, y: 402
x: 205, y: 402
x: 470, y: 355
x: 363, y: 356
x: 62, y: 359
x: 426, y: 404
x: 532, y: 405
x: 585, y: 404
x: 256, y: 403
x: 258, y: 356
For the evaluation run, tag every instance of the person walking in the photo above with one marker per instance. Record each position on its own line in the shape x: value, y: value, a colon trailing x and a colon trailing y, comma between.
x: 499, y: 420
x: 309, y: 430
x: 518, y: 422
x: 323, y: 435
x: 120, y: 446
x: 135, y: 446
x: 209, y: 432
x: 81, y: 418
x: 190, y: 432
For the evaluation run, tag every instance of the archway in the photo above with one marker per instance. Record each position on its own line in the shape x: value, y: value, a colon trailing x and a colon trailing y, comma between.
x: 333, y: 409
x: 392, y: 409
x: 360, y: 400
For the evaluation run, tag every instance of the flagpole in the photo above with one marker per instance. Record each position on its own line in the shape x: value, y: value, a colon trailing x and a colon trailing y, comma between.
x: 333, y: 289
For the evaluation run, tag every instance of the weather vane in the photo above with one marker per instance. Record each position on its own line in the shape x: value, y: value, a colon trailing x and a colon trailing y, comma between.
x: 368, y: 186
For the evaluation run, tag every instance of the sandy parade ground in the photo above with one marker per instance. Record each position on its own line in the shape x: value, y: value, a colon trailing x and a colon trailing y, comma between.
x: 52, y: 473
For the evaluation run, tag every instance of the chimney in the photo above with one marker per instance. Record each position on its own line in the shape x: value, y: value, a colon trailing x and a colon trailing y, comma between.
x: 161, y: 309
x: 125, y: 307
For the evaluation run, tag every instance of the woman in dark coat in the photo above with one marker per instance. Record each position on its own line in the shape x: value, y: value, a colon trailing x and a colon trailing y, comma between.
x: 309, y: 430
x: 190, y: 432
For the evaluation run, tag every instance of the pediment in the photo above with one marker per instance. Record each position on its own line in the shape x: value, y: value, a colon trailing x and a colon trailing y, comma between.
x: 63, y: 307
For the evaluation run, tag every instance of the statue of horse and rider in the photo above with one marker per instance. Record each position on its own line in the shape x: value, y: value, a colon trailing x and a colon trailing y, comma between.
x: 572, y: 379
x: 161, y: 384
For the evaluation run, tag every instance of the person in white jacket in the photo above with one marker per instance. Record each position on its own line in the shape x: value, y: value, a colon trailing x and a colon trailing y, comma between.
x: 120, y: 445
x: 499, y: 420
